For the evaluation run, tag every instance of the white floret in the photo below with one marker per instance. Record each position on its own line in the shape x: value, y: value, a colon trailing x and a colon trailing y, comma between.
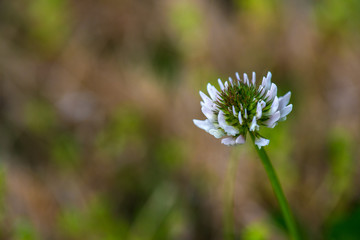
x: 261, y: 142
x: 227, y: 128
x: 229, y: 141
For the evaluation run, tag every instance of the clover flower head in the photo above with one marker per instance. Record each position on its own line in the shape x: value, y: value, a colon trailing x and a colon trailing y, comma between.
x: 240, y: 106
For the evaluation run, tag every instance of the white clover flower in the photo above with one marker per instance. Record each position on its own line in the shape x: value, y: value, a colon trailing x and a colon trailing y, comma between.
x: 240, y: 107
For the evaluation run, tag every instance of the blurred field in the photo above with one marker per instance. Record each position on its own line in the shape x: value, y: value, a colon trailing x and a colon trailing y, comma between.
x: 96, y: 106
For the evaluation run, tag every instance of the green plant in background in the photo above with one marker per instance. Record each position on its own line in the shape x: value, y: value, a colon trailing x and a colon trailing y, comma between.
x: 96, y: 220
x: 2, y: 195
x: 154, y: 213
x: 343, y: 222
x: 24, y: 230
x: 39, y: 116
x: 49, y: 34
x: 256, y: 231
x: 242, y: 107
x: 126, y: 126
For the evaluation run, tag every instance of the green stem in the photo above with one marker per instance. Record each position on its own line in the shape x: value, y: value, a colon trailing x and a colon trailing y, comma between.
x: 229, y: 233
x: 289, y: 219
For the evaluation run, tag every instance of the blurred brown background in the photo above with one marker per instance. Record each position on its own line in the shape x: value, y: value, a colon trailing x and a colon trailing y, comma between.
x: 96, y: 106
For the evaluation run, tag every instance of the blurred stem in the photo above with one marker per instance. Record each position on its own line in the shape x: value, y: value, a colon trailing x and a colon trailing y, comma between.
x: 229, y: 233
x: 289, y: 219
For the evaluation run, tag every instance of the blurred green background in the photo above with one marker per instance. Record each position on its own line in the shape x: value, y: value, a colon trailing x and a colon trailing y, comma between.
x: 96, y: 106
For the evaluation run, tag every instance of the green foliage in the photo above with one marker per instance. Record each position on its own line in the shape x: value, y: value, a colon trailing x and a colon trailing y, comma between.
x: 39, y: 117
x: 346, y: 226
x: 338, y: 15
x: 256, y: 231
x: 170, y: 153
x: 341, y: 160
x: 49, y: 23
x: 261, y: 7
x: 125, y: 127
x: 165, y: 58
x: 65, y: 150
x: 96, y: 221
x: 186, y: 19
x: 154, y: 214
x: 262, y: 12
x: 24, y: 230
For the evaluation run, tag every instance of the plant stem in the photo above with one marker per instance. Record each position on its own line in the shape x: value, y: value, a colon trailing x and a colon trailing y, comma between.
x: 289, y: 219
x: 229, y: 233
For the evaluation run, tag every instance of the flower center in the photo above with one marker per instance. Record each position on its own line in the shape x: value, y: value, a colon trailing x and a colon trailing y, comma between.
x: 243, y: 98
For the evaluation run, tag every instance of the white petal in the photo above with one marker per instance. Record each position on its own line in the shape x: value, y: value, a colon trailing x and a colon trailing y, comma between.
x: 286, y: 110
x: 204, y: 124
x: 263, y: 84
x: 212, y: 92
x: 272, y: 92
x: 227, y: 128
x: 221, y: 84
x: 272, y: 120
x: 216, y: 133
x: 261, y: 90
x: 240, y: 140
x: 229, y: 141
x: 231, y: 81
x: 246, y: 79
x: 233, y: 110
x: 208, y: 105
x: 260, y: 142
x: 245, y: 114
x: 226, y: 85
x: 240, y: 118
x: 274, y: 106
x: 221, y: 119
x: 254, y: 125
x: 208, y: 113
x: 237, y: 76
x: 253, y: 80
x: 284, y: 100
x: 205, y: 98
x: 259, y: 110
x: 266, y: 82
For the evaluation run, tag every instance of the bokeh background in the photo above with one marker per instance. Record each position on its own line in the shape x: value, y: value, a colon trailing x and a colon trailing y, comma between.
x: 96, y: 106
